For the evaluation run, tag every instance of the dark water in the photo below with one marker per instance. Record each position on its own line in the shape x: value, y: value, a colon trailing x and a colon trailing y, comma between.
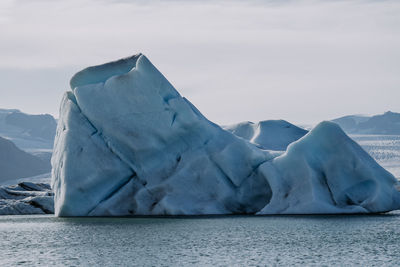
x: 217, y: 241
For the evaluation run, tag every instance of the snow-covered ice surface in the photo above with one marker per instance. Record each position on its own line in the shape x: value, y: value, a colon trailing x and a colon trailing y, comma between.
x: 128, y: 144
x: 26, y: 198
x: 31, y: 195
x: 385, y: 149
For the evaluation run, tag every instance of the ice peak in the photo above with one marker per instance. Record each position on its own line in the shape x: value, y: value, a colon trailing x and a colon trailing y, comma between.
x: 101, y: 73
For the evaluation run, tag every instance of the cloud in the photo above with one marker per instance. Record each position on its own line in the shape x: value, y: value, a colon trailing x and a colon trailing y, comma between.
x: 303, y: 61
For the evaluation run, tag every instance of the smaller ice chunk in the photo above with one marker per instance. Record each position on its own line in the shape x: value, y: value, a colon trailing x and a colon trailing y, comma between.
x: 26, y: 198
x: 327, y: 172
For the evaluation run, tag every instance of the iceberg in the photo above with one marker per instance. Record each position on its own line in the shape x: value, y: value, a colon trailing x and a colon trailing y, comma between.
x: 128, y: 143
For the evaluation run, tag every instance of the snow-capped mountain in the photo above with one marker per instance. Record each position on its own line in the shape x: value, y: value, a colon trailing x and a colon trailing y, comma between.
x: 31, y: 133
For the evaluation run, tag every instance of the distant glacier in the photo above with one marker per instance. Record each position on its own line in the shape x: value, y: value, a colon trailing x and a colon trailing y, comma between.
x: 387, y: 123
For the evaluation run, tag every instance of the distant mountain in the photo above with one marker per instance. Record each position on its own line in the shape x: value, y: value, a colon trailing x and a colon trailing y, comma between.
x: 41, y: 126
x: 28, y: 132
x: 15, y: 163
x: 269, y: 134
x: 387, y: 123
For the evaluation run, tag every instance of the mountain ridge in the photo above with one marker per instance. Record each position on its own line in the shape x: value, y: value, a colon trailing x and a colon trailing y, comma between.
x: 387, y: 123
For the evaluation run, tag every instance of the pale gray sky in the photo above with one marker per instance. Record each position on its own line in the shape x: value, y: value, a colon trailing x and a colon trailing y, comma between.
x: 303, y: 61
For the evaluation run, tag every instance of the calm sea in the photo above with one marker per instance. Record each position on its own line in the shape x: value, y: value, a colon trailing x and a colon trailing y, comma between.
x: 207, y: 241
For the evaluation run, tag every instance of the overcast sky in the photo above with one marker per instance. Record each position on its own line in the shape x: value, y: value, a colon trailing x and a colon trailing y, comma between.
x: 303, y: 61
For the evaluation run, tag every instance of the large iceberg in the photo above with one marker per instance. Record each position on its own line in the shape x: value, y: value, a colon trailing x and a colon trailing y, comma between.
x: 128, y: 143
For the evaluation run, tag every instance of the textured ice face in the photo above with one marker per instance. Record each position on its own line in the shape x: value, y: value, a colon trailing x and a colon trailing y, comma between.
x: 128, y: 144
